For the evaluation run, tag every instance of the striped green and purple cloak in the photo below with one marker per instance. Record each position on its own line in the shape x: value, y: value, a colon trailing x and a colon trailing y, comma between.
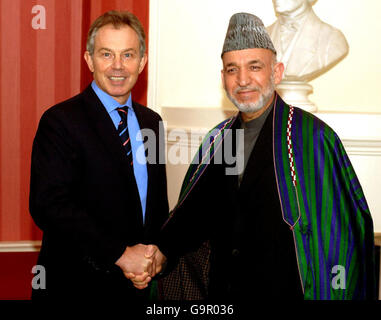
x: 321, y: 200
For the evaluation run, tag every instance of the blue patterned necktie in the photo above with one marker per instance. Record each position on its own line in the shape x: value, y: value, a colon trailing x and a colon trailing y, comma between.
x: 123, y: 132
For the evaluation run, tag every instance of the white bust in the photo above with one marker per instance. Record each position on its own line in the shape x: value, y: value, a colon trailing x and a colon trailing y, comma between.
x: 306, y: 45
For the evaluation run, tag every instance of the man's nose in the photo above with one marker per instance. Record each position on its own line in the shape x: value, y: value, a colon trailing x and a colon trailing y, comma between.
x: 117, y: 63
x: 243, y: 78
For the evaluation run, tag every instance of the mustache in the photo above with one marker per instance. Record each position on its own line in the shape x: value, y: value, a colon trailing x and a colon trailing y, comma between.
x: 247, y: 88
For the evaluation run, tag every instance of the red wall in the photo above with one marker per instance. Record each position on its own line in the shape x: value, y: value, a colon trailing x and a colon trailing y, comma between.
x: 16, y: 275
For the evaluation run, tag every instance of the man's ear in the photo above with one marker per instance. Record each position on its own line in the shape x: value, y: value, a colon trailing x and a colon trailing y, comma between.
x: 143, y: 62
x: 89, y: 60
x: 223, y: 78
x: 278, y: 72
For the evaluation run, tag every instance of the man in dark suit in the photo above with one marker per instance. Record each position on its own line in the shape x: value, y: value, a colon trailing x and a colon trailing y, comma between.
x: 97, y: 200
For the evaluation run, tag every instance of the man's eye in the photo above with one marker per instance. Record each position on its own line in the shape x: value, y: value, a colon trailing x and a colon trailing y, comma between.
x: 107, y: 54
x: 231, y: 70
x: 128, y: 55
x: 255, y: 68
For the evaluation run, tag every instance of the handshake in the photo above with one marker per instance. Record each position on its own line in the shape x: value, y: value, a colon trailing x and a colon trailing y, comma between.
x: 140, y: 263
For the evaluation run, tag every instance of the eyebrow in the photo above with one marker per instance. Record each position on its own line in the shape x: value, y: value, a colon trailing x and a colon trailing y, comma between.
x: 231, y: 64
x: 256, y: 62
x: 234, y: 64
x: 125, y: 50
x: 106, y: 49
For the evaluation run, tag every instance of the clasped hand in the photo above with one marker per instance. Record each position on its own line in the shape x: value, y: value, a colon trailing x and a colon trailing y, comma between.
x: 140, y: 263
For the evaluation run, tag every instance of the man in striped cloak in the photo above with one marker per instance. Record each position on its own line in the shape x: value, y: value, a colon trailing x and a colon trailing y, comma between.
x: 294, y: 223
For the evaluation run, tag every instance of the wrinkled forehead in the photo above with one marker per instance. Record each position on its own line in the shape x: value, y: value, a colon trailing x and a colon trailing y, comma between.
x: 116, y: 36
x: 248, y: 56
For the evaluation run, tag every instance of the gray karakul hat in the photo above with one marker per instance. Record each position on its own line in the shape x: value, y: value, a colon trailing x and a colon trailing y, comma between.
x: 246, y: 31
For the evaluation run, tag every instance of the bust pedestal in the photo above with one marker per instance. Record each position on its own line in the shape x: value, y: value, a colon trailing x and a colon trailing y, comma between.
x: 296, y: 93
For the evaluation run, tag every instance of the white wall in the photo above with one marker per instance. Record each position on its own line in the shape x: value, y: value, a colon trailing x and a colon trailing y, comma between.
x: 190, y: 36
x: 353, y: 85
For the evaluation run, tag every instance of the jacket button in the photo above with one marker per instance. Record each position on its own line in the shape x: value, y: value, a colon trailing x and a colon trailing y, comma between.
x: 235, y: 252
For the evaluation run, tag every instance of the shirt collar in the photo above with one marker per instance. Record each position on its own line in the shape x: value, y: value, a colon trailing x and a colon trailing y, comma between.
x: 108, y: 101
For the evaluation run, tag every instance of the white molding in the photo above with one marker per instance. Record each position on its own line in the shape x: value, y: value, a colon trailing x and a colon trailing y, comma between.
x: 20, y: 246
x: 153, y: 56
x: 360, y: 133
x: 194, y: 136
x: 354, y: 126
x: 362, y: 147
x: 353, y: 147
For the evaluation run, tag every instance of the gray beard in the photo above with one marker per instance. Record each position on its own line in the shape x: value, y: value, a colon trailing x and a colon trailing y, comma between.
x: 251, y: 107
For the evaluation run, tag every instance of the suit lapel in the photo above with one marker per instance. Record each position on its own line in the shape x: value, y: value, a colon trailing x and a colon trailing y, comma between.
x: 144, y: 123
x: 101, y: 122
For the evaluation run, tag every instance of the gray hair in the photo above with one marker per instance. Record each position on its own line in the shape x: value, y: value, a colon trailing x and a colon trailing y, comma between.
x: 117, y: 19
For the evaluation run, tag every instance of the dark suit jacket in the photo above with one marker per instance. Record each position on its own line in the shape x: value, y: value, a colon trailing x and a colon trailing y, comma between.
x: 252, y: 251
x: 84, y: 197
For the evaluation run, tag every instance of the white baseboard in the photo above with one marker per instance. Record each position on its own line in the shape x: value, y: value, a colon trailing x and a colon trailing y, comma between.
x: 20, y: 246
